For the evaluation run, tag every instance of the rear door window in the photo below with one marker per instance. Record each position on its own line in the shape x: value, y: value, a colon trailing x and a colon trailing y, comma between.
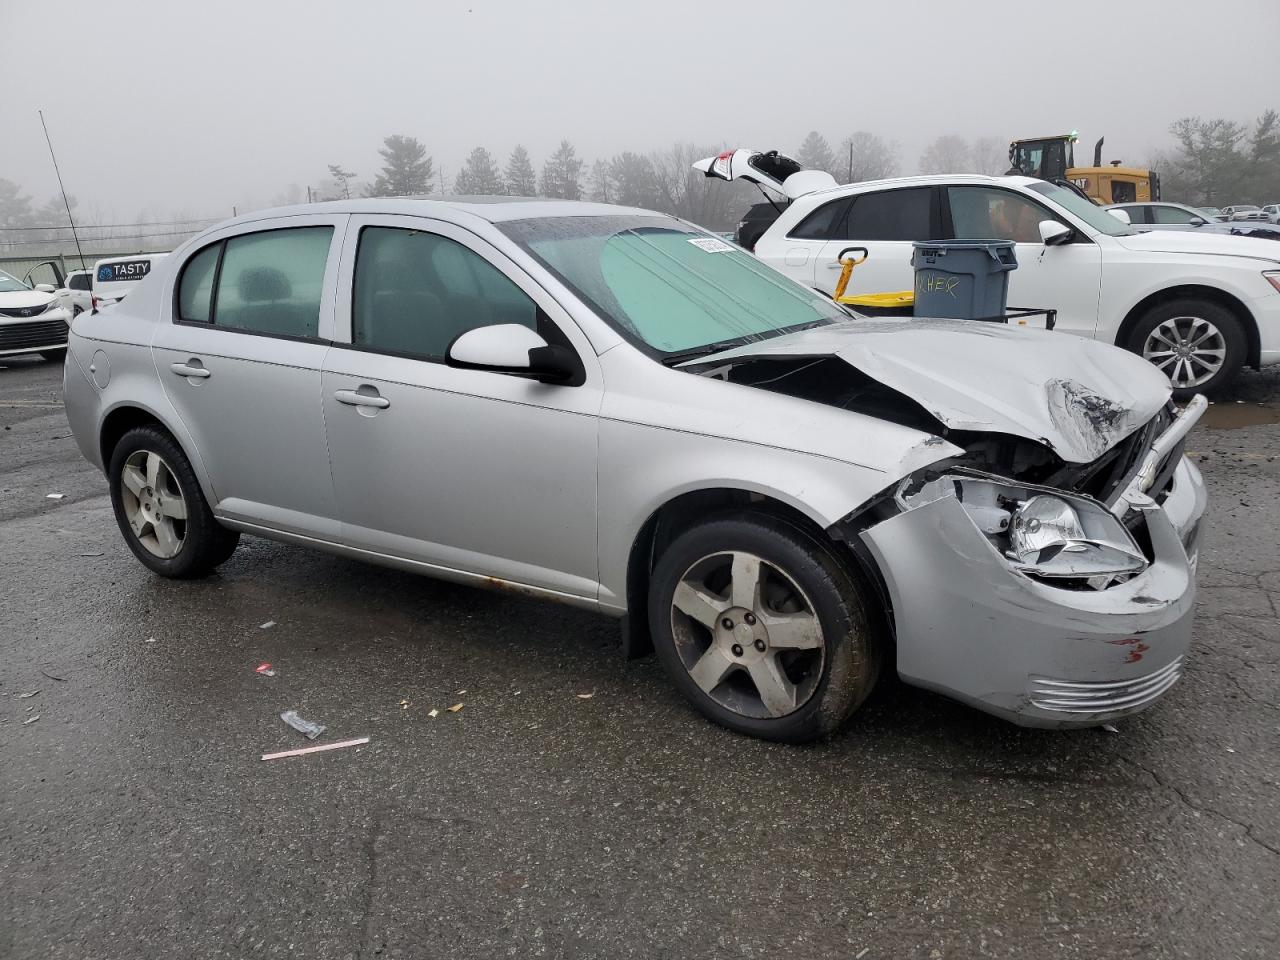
x: 1140, y: 214
x: 269, y: 282
x: 195, y: 289
x: 820, y: 224
x: 79, y: 281
x: 907, y: 214
x: 1167, y: 214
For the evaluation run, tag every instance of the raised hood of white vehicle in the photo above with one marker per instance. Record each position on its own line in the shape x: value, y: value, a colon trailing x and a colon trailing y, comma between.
x: 1209, y: 244
x: 774, y: 170
x: 1076, y: 396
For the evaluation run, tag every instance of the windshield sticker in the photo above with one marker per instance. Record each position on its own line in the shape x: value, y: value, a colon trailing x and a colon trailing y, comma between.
x: 711, y: 244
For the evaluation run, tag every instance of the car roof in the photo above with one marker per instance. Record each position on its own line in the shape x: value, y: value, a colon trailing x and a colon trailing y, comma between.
x: 927, y: 180
x: 493, y: 209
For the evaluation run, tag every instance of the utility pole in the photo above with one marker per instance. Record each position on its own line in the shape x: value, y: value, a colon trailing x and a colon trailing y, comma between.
x: 850, y: 180
x: 65, y: 202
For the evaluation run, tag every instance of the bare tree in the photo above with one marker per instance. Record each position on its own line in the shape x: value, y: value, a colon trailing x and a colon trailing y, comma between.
x: 989, y: 155
x: 947, y: 154
x: 600, y: 183
x: 865, y: 156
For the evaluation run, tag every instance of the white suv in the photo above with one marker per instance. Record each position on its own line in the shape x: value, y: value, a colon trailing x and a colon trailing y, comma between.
x: 1198, y: 306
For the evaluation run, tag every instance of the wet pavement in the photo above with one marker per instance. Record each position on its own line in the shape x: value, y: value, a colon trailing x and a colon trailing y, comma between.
x: 574, y: 806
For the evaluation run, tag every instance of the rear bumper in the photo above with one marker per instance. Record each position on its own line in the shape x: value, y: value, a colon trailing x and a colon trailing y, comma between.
x: 972, y: 627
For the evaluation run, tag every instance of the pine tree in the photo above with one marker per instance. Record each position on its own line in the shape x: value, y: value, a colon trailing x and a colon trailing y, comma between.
x: 562, y: 174
x: 815, y: 153
x: 521, y: 181
x: 406, y: 168
x: 479, y: 177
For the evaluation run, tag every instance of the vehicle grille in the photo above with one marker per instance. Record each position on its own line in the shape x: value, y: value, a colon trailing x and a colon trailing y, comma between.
x: 22, y: 336
x: 21, y: 313
x: 1083, y: 697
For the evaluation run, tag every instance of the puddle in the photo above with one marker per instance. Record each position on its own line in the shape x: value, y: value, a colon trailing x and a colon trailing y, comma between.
x: 1233, y: 416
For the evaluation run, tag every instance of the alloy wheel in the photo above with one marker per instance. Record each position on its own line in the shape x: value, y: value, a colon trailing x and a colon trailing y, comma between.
x: 153, y: 503
x: 749, y: 637
x: 1188, y: 350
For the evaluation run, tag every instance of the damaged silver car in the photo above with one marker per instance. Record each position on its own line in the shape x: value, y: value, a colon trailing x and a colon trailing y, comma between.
x: 617, y: 410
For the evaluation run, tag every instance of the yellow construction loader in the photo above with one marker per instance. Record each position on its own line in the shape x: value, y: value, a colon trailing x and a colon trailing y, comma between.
x: 1053, y: 159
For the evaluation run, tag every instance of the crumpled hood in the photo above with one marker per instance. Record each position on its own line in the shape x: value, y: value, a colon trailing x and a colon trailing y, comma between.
x: 1077, y: 396
x: 1195, y: 242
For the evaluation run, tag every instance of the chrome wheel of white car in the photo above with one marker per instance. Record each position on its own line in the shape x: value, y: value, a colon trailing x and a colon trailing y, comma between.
x: 747, y: 634
x: 153, y: 503
x: 1188, y: 350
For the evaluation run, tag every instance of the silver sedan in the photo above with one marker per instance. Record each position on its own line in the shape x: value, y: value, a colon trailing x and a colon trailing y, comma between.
x: 614, y: 409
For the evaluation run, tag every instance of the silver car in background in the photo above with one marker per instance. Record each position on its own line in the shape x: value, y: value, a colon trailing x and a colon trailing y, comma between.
x: 617, y: 410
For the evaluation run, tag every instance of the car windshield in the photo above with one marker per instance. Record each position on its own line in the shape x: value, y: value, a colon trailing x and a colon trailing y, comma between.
x: 9, y: 284
x: 1086, y: 210
x: 668, y: 287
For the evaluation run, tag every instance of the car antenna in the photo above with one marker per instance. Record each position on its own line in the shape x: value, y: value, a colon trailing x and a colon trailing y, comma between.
x: 71, y: 220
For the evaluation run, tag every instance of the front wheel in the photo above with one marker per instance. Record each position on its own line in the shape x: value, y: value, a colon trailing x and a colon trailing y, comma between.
x: 160, y: 509
x: 1199, y: 345
x: 762, y: 628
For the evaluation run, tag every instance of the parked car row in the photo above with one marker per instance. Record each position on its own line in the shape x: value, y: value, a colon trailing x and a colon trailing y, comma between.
x: 34, y: 317
x: 1200, y: 306
x: 618, y: 410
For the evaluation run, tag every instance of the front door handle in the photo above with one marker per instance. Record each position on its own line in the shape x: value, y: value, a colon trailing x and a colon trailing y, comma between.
x: 192, y: 368
x: 835, y: 266
x: 354, y: 398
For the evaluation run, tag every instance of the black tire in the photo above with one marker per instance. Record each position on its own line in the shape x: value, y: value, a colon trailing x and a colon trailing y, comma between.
x: 55, y: 356
x: 205, y: 543
x: 850, y: 654
x: 76, y: 311
x: 1226, y: 322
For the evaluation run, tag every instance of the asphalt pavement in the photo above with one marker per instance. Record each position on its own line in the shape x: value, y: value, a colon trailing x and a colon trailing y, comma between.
x: 574, y: 806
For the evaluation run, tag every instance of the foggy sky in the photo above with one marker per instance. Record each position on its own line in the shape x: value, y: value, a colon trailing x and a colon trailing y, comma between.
x: 183, y: 108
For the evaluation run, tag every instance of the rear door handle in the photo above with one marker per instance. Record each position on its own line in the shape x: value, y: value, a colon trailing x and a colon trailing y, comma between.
x: 354, y: 398
x: 192, y: 368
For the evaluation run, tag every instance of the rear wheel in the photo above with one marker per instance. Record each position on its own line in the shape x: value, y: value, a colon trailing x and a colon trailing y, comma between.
x: 1199, y: 345
x: 762, y: 628
x: 160, y: 509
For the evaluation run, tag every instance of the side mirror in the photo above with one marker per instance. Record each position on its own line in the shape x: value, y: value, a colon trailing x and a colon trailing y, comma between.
x: 1121, y: 215
x: 511, y: 348
x: 46, y: 288
x: 1198, y: 221
x: 1053, y: 233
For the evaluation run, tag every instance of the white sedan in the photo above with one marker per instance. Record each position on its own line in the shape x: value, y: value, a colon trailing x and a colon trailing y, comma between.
x: 1198, y: 306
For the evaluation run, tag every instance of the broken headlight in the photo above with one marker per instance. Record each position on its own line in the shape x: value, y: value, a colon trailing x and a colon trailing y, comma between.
x: 1046, y: 534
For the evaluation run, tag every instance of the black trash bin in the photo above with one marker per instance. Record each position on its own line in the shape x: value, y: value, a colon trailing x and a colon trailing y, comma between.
x: 962, y: 279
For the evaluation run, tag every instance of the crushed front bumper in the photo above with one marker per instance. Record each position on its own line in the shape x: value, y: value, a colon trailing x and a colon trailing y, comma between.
x: 971, y: 626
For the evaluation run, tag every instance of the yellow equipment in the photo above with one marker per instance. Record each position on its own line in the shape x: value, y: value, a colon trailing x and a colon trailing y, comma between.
x: 898, y: 303
x: 1053, y: 159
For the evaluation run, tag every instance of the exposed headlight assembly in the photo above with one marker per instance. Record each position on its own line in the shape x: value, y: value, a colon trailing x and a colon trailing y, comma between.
x: 1049, y: 535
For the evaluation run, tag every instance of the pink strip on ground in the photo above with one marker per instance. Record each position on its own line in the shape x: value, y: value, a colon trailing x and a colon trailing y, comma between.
x: 316, y: 749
